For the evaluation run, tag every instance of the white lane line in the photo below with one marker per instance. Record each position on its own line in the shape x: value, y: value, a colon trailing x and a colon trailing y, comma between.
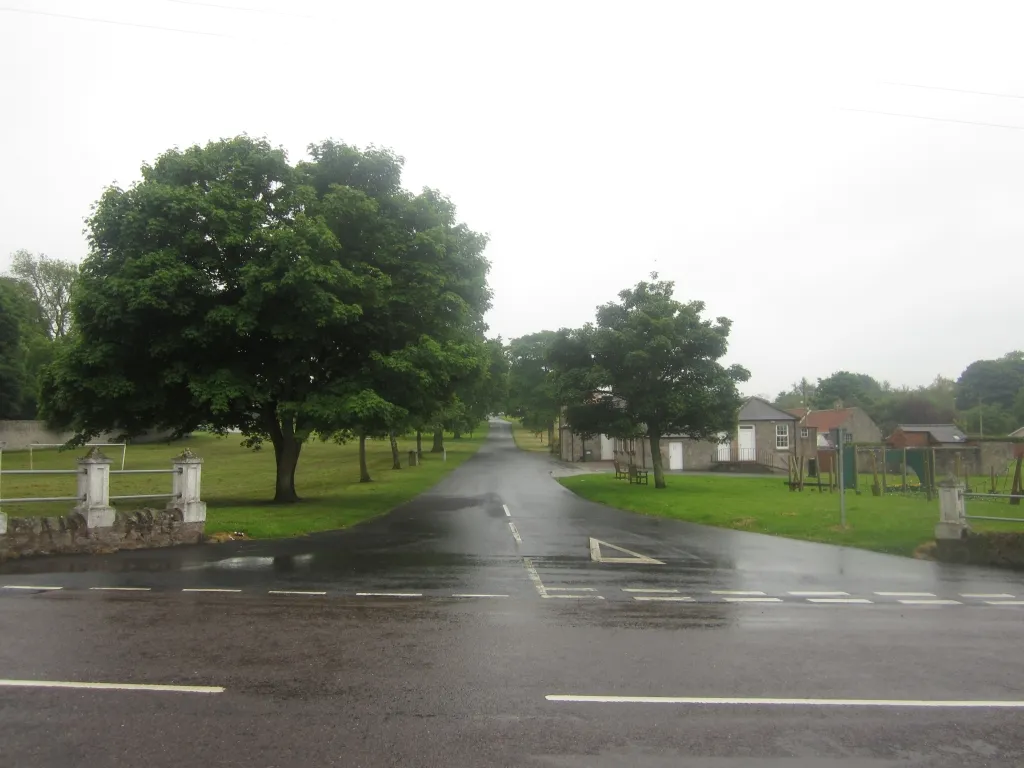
x: 467, y: 595
x: 736, y: 592
x: 842, y: 600
x: 571, y: 589
x: 531, y: 571
x: 507, y: 513
x: 389, y: 594
x: 121, y: 589
x: 820, y: 594
x: 662, y: 599
x: 293, y: 592
x: 112, y: 686
x: 1004, y: 602
x: 991, y: 596
x: 26, y: 586
x: 904, y: 594
x: 209, y: 589
x: 934, y: 703
x: 931, y: 602
x: 653, y: 591
x: 515, y: 532
x: 575, y: 597
x: 753, y: 599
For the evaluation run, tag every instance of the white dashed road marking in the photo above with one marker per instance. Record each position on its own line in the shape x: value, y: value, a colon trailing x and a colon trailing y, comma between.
x: 293, y: 592
x: 389, y: 594
x: 736, y: 592
x: 904, y: 594
x: 1004, y: 602
x: 26, y: 586
x: 844, y: 600
x: 209, y: 589
x: 753, y: 599
x: 936, y: 704
x: 662, y: 599
x: 120, y: 589
x: 931, y: 602
x: 515, y: 532
x: 479, y: 595
x: 571, y: 589
x: 112, y: 686
x: 993, y: 596
x: 507, y: 513
x: 820, y: 594
x: 653, y: 591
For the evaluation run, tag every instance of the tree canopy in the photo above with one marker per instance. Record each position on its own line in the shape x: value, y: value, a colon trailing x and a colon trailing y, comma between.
x: 52, y: 281
x: 531, y: 396
x: 23, y: 349
x: 648, y: 365
x: 230, y: 289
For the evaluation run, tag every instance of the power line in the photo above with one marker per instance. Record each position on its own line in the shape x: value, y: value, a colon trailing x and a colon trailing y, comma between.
x: 111, y: 21
x: 934, y: 119
x: 956, y: 90
x: 238, y: 8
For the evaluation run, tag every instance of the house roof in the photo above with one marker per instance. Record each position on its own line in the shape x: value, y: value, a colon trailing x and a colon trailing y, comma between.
x: 823, y: 421
x: 798, y: 412
x: 1017, y: 433
x: 756, y: 409
x: 940, y: 433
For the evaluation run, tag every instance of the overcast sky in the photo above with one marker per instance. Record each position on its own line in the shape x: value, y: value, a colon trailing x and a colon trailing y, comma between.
x: 595, y: 142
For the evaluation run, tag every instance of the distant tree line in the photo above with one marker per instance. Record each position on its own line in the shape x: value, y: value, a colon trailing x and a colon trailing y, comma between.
x: 987, y: 398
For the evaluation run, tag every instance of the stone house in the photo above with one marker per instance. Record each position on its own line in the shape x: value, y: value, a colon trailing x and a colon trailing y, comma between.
x: 815, y: 428
x: 1017, y: 433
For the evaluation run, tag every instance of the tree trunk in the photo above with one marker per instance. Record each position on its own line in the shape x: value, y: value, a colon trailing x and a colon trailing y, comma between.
x: 286, y: 456
x: 419, y: 443
x: 396, y: 460
x: 438, y: 441
x: 659, y: 473
x: 364, y: 474
x: 457, y: 434
x: 551, y: 437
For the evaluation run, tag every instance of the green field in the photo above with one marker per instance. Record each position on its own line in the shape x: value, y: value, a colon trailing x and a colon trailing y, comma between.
x: 528, y: 441
x: 896, y: 524
x: 238, y: 484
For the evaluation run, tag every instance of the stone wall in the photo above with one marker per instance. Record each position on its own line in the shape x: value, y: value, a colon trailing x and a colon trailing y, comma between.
x: 140, y: 529
x: 1002, y: 550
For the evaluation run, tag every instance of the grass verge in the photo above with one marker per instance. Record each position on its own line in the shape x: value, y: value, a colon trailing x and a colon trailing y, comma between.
x: 894, y: 524
x: 526, y: 440
x: 238, y: 484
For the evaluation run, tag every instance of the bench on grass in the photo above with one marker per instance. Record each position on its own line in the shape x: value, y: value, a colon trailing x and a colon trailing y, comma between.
x: 620, y: 473
x: 637, y: 476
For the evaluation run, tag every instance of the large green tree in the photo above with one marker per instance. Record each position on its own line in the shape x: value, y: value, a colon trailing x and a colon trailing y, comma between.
x: 850, y: 389
x: 531, y: 395
x: 991, y: 382
x: 52, y: 281
x: 229, y: 289
x: 24, y: 346
x: 649, y: 364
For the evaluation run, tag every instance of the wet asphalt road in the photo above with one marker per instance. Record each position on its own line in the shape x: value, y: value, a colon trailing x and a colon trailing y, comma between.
x: 435, y: 635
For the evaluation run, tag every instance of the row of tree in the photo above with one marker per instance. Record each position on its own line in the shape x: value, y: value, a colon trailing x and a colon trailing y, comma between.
x: 229, y: 289
x: 986, y: 399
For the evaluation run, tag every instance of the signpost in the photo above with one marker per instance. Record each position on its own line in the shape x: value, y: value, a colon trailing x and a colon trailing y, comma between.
x: 838, y: 437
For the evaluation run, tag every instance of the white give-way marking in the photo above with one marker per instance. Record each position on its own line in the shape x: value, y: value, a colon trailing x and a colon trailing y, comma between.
x: 934, y: 703
x: 634, y: 557
x: 112, y: 686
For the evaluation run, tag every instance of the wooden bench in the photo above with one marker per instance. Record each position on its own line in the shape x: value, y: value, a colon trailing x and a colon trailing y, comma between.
x: 620, y: 473
x: 637, y: 476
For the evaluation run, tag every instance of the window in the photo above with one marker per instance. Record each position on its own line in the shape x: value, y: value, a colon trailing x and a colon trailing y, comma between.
x: 782, y: 437
x: 847, y: 437
x: 804, y: 432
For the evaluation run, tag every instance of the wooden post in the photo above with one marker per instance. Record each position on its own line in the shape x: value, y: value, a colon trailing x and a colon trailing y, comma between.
x: 876, y: 488
x: 1016, y: 489
x: 993, y: 469
x: 885, y: 471
x: 904, y: 470
x: 927, y: 476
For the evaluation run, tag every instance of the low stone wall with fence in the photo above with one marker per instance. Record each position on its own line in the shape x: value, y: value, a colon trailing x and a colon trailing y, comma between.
x: 94, y: 526
x: 955, y: 542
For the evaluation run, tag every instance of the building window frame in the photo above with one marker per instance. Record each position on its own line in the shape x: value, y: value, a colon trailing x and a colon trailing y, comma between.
x: 805, y: 432
x: 782, y: 437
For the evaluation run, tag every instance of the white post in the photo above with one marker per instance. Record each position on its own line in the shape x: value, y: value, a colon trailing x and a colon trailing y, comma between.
x: 94, y: 490
x: 185, y: 485
x: 952, y: 514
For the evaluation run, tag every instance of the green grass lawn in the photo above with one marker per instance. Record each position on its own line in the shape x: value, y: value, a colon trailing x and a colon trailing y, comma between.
x: 528, y: 441
x: 895, y: 524
x: 238, y: 484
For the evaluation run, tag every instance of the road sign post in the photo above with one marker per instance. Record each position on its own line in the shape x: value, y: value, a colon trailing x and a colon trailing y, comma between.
x: 838, y: 437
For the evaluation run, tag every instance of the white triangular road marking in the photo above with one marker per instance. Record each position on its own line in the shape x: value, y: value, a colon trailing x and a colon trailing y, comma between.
x: 635, y: 557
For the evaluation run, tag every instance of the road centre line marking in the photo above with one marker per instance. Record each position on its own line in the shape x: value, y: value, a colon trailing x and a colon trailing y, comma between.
x: 992, y: 596
x: 293, y: 592
x: 1004, y: 602
x: 209, y: 589
x: 26, y: 586
x: 531, y: 571
x: 507, y: 513
x: 931, y: 602
x: 662, y: 599
x: 669, y: 591
x: 571, y: 589
x: 934, y: 704
x: 820, y: 594
x: 515, y: 532
x: 843, y: 600
x: 389, y: 594
x: 575, y: 597
x: 112, y: 686
x: 904, y: 594
x: 467, y: 595
x: 120, y: 589
x: 753, y: 599
x: 735, y: 592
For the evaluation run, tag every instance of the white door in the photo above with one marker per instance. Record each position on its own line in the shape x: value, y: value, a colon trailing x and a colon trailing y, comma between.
x: 607, y: 448
x: 675, y: 455
x: 724, y: 447
x: 747, y: 450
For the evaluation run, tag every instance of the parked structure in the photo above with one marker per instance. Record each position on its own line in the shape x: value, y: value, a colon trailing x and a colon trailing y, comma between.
x: 926, y: 435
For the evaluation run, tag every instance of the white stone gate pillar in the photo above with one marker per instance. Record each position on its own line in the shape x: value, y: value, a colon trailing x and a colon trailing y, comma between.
x: 186, y: 487
x: 94, y: 490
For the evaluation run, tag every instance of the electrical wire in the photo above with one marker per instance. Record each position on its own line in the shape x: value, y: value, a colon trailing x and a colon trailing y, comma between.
x: 111, y: 21
x: 934, y: 119
x: 956, y: 90
x: 238, y: 8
